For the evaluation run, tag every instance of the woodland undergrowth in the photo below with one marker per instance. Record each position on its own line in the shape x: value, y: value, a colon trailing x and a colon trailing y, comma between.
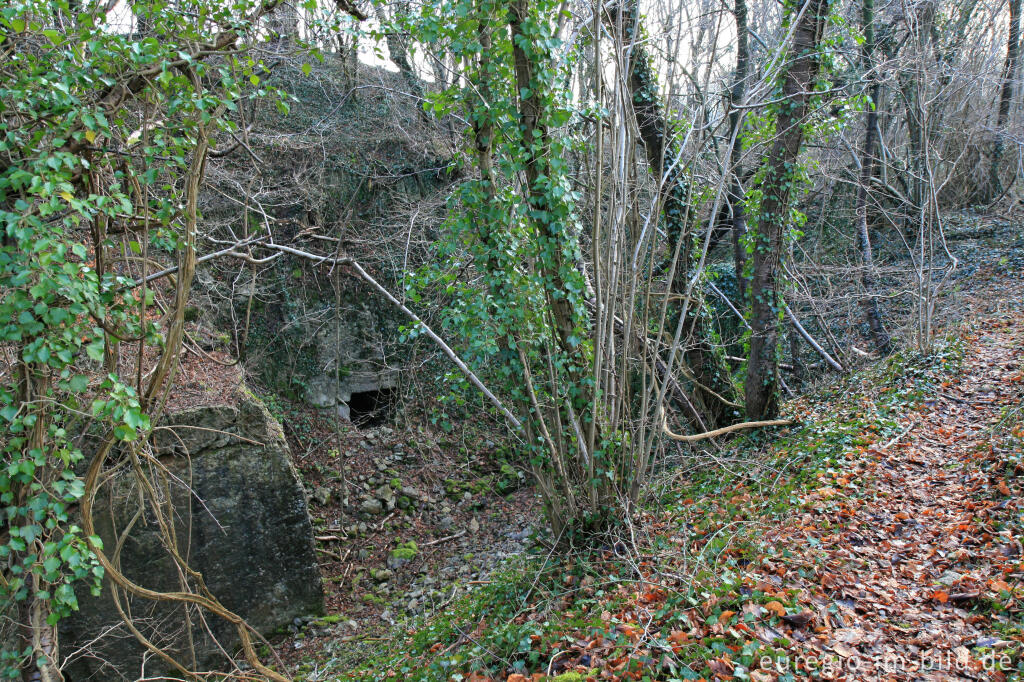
x: 679, y: 593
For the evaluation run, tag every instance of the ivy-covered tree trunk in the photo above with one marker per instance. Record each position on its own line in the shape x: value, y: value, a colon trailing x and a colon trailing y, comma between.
x: 40, y: 634
x: 521, y: 230
x: 551, y: 223
x: 713, y: 389
x: 761, y: 389
x: 283, y: 26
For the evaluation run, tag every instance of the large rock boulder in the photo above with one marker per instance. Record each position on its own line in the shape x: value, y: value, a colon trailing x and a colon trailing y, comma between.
x: 244, y: 527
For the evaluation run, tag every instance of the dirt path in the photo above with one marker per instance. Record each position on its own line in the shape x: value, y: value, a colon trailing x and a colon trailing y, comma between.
x: 910, y: 562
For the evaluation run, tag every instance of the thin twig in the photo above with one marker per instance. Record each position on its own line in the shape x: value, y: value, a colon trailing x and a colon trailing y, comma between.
x: 445, y: 539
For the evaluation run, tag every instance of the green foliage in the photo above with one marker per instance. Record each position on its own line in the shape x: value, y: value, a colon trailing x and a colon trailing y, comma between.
x: 97, y: 134
x: 523, y: 322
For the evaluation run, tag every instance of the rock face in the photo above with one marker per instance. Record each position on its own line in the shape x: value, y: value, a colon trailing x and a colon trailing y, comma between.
x: 345, y: 166
x: 245, y: 528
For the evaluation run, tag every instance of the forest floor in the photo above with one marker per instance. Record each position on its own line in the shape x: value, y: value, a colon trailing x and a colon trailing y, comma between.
x: 907, y: 564
x: 879, y: 539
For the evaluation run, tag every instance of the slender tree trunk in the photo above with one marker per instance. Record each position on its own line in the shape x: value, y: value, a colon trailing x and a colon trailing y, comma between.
x: 710, y: 371
x: 38, y: 634
x: 766, y: 306
x: 917, y: 134
x: 880, y: 337
x: 348, y: 55
x: 915, y: 149
x: 439, y: 69
x: 735, y: 194
x: 1005, y: 96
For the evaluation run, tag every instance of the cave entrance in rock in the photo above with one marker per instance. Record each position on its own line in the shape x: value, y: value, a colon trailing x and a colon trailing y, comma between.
x: 371, y: 408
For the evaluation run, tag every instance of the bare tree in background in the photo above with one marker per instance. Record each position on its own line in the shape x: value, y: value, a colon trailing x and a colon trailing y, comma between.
x: 1006, y: 93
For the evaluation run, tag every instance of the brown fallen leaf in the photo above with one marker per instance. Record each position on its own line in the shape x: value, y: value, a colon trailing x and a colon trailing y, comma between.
x: 677, y: 637
x: 851, y: 636
x: 1000, y: 586
x: 722, y: 667
x: 961, y: 597
x: 776, y: 608
x: 799, y: 620
x: 844, y: 650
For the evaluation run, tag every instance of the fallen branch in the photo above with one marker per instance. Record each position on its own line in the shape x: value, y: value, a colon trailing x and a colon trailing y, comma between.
x: 812, y: 343
x: 899, y: 435
x: 720, y: 432
x: 862, y: 353
x: 333, y: 555
x: 229, y: 251
x: 380, y: 526
x: 711, y: 285
x: 782, y: 365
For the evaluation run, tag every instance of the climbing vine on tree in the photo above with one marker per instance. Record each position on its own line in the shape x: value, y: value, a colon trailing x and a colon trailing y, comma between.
x: 104, y: 134
x: 796, y: 113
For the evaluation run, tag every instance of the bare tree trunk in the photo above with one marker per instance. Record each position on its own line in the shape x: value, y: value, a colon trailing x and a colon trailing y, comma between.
x: 762, y: 383
x: 283, y: 26
x: 1005, y: 96
x: 398, y: 49
x: 883, y: 344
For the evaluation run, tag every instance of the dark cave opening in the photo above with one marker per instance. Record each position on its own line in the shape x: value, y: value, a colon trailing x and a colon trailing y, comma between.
x: 371, y: 408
